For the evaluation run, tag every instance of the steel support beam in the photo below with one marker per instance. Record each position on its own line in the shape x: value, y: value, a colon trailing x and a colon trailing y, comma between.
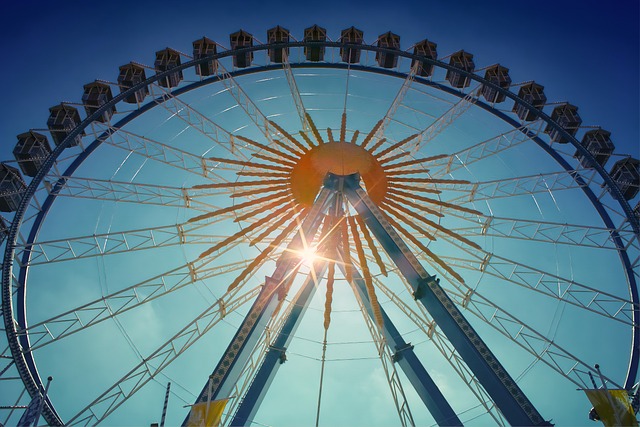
x: 230, y: 366
x: 504, y: 391
x: 403, y: 352
x: 406, y: 358
x: 274, y: 357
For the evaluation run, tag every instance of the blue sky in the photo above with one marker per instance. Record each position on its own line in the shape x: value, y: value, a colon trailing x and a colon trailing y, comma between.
x: 583, y: 52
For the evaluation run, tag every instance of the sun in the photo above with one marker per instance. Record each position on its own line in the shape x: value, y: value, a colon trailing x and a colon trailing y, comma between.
x: 308, y: 255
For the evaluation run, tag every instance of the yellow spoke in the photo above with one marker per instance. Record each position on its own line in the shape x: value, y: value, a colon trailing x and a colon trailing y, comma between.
x: 330, y: 135
x: 243, y: 205
x: 244, y: 231
x: 424, y: 249
x: 314, y: 129
x: 344, y: 231
x: 378, y: 144
x: 275, y: 226
x: 354, y: 138
x: 372, y: 246
x: 280, y: 162
x: 249, y: 164
x: 306, y: 139
x: 263, y: 209
x: 264, y: 174
x: 264, y: 254
x: 420, y: 208
x: 416, y: 189
x: 436, y: 202
x: 396, y: 146
x: 430, y: 180
x: 265, y: 147
x: 238, y: 184
x: 414, y: 162
x: 329, y: 296
x: 395, y: 157
x: 290, y: 149
x: 289, y: 137
x: 409, y: 172
x: 397, y: 211
x: 371, y: 134
x: 433, y: 224
x: 373, y: 299
x: 260, y: 191
x: 327, y: 247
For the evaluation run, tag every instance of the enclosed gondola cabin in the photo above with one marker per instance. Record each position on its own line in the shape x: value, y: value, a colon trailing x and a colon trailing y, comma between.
x: 130, y: 75
x: 314, y: 34
x: 277, y: 35
x: 96, y: 95
x: 598, y: 143
x: 388, y: 40
x: 566, y: 115
x: 531, y: 93
x: 167, y: 59
x: 12, y: 188
x: 498, y: 75
x: 464, y: 61
x: 62, y: 120
x: 428, y: 50
x: 350, y: 54
x: 201, y: 49
x: 31, y: 151
x: 238, y: 40
x: 626, y: 174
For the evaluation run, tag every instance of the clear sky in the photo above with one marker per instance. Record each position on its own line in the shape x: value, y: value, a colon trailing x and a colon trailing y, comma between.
x: 583, y: 52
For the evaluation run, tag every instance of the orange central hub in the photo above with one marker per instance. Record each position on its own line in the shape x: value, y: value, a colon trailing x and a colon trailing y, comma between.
x: 339, y: 158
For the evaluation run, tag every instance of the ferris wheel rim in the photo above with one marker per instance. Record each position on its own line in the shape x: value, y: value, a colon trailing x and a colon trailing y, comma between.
x: 8, y: 308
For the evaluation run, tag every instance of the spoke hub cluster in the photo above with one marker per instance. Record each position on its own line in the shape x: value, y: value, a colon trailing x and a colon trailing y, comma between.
x: 338, y: 158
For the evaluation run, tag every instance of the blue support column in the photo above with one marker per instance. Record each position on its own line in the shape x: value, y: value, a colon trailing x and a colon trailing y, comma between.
x: 276, y: 354
x: 229, y: 368
x: 506, y: 394
x: 405, y: 357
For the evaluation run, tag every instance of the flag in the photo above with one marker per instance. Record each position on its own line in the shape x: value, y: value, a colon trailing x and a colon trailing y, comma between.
x: 613, y: 407
x: 206, y: 414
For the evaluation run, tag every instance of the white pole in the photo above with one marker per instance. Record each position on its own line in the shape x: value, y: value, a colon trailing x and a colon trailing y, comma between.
x: 209, y: 390
x: 604, y: 386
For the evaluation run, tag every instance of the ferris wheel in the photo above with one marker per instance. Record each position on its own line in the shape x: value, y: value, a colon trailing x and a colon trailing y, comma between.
x: 322, y: 232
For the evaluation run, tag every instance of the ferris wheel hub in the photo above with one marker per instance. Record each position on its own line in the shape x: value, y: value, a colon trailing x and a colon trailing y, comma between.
x: 338, y: 158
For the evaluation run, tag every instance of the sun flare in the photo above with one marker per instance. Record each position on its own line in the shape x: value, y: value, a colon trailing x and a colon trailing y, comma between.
x: 308, y: 255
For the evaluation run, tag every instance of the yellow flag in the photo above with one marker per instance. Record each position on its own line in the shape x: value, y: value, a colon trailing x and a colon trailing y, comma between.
x: 613, y: 409
x: 206, y: 414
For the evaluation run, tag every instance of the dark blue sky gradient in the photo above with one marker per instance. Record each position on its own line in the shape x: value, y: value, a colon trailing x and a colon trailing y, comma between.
x: 584, y: 52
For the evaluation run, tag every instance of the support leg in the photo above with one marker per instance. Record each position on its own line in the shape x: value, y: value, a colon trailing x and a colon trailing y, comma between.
x: 507, y: 395
x: 418, y: 376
